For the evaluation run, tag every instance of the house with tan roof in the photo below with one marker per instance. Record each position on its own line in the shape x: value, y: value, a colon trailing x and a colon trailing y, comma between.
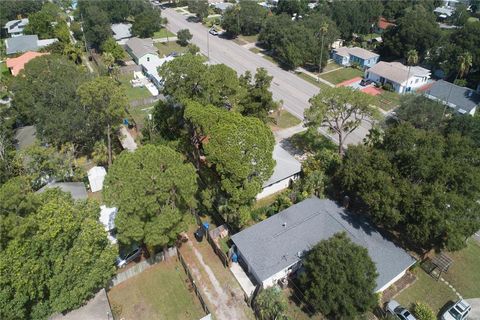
x: 346, y: 56
x: 402, y: 78
x: 15, y: 65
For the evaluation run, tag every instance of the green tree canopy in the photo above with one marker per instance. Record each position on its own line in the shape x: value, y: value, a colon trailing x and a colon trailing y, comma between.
x: 422, y: 113
x: 420, y: 182
x: 199, y: 7
x: 147, y: 23
x: 112, y: 47
x: 184, y: 36
x: 42, y: 22
x: 46, y: 95
x: 235, y: 152
x: 271, y: 304
x: 247, y: 18
x: 341, y: 110
x: 339, y: 278
x: 58, y: 257
x: 104, y: 103
x: 153, y: 189
x: 96, y: 23
x: 187, y: 77
x: 416, y: 29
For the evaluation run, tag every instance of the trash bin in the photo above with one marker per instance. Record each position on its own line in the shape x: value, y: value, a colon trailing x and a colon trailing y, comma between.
x: 199, y: 234
x: 234, y: 257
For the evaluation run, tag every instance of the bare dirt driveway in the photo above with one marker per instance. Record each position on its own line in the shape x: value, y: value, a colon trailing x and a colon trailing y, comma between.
x: 286, y: 86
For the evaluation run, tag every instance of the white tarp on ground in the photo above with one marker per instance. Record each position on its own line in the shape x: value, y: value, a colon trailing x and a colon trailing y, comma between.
x: 96, y: 175
x: 107, y: 217
x: 126, y: 140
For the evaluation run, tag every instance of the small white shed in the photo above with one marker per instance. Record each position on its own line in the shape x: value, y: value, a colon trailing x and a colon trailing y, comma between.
x: 96, y: 175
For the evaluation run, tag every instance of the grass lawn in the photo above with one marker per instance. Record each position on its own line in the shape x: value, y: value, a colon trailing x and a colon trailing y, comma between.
x: 426, y: 289
x: 265, y: 202
x: 255, y: 50
x: 131, y: 92
x: 370, y: 36
x: 270, y: 58
x: 250, y: 39
x: 331, y: 66
x: 286, y: 120
x: 341, y: 75
x: 388, y: 100
x: 161, y: 292
x: 3, y: 69
x: 165, y: 48
x: 139, y: 114
x: 163, y: 33
x: 313, y: 81
x: 464, y: 274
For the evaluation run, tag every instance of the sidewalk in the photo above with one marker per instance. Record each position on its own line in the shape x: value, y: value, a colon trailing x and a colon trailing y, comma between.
x: 162, y: 40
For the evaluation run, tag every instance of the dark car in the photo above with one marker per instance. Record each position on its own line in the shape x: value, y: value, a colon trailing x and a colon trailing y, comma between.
x: 365, y: 82
x: 128, y: 254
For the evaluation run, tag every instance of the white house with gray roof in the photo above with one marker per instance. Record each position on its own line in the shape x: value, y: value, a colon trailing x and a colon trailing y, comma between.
x: 287, y: 169
x: 272, y: 249
x: 461, y: 99
x: 15, y: 28
x: 402, y: 78
x: 141, y: 50
x: 121, y: 32
x: 26, y: 43
x: 346, y: 56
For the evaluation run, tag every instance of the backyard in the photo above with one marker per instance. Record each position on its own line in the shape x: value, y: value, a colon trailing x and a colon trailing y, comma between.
x: 161, y: 292
x: 133, y: 93
x: 140, y: 113
x: 337, y: 76
x: 166, y: 48
x: 464, y: 275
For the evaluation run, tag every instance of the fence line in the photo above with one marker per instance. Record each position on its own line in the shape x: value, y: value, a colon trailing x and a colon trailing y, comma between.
x: 192, y: 281
x: 218, y: 251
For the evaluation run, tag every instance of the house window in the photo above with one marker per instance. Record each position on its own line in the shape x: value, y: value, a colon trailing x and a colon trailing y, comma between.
x: 416, y: 81
x: 148, y: 58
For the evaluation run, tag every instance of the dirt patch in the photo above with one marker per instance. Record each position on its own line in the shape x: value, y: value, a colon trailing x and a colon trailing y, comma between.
x: 403, y: 283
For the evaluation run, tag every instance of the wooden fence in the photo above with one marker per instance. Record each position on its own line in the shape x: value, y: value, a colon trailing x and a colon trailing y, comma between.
x: 192, y: 281
x: 223, y: 257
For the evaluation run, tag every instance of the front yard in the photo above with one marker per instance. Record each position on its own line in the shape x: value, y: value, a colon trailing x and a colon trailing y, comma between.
x: 464, y: 275
x: 285, y: 120
x: 388, y: 100
x: 163, y: 33
x: 338, y: 76
x: 161, y: 292
x: 166, y: 48
x: 312, y: 80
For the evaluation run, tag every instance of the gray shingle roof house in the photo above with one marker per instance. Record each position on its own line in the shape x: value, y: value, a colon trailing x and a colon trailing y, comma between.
x: 286, y: 168
x: 461, y: 99
x: 346, y: 56
x: 121, y: 31
x: 273, y: 248
x: 26, y: 43
x: 138, y: 48
x: 76, y: 189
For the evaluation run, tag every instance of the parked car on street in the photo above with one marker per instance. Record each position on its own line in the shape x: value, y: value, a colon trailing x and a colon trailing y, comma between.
x: 395, y: 309
x: 459, y: 311
x: 127, y: 255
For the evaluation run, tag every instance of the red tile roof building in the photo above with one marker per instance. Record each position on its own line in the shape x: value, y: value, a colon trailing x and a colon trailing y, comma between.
x: 17, y: 64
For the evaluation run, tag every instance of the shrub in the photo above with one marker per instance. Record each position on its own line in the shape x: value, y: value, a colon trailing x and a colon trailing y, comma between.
x: 423, y: 312
x: 388, y: 87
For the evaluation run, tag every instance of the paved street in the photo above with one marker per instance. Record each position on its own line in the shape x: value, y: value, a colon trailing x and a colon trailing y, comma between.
x: 286, y: 86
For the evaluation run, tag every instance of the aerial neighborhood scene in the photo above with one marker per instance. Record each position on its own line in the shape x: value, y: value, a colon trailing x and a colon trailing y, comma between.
x: 240, y: 159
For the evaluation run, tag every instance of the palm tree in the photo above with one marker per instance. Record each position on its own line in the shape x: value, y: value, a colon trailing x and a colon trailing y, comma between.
x: 464, y: 64
x: 323, y: 31
x: 412, y: 59
x: 73, y: 52
x: 109, y: 60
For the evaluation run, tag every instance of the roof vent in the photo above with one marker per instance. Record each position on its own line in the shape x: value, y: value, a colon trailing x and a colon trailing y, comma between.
x: 284, y: 224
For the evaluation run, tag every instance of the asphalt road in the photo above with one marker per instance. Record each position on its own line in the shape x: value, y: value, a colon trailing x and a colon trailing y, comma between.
x: 286, y: 86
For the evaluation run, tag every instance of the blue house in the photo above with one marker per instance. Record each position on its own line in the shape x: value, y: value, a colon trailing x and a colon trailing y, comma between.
x: 349, y: 56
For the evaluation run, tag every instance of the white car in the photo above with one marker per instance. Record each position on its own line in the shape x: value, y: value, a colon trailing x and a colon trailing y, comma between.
x: 459, y: 311
x: 394, y: 308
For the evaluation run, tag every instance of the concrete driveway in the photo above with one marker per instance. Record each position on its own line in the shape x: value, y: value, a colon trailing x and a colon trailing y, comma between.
x: 475, y: 313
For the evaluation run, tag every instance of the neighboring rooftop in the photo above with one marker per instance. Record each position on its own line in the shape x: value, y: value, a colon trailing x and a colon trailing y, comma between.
x: 76, y: 189
x: 21, y: 44
x: 25, y: 137
x: 461, y: 99
x: 96, y: 176
x: 285, y: 167
x: 16, y: 26
x: 222, y: 6
x: 355, y: 51
x: 121, y: 31
x: 398, y: 72
x: 152, y: 66
x: 97, y: 308
x: 140, y: 47
x: 17, y: 64
x: 277, y: 242
x: 384, y: 24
